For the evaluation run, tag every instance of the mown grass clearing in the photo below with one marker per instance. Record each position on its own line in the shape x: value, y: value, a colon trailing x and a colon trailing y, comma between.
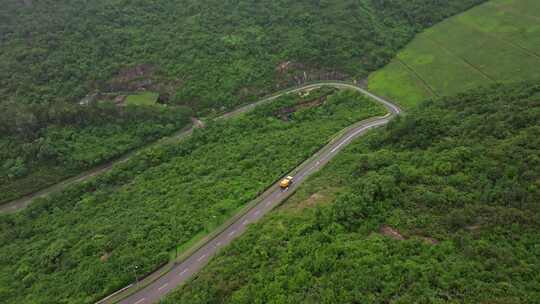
x: 495, y: 42
x: 142, y: 99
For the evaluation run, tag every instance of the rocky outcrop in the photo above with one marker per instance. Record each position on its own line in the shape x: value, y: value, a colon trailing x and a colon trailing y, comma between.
x: 289, y: 74
x: 134, y: 78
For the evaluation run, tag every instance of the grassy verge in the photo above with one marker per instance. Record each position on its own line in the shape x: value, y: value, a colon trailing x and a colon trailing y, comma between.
x: 163, y: 197
x: 185, y: 250
x: 461, y: 200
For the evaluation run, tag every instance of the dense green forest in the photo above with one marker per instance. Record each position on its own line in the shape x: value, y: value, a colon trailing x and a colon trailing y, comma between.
x: 66, y: 139
x: 441, y: 207
x: 85, y: 242
x: 207, y: 55
x: 203, y: 53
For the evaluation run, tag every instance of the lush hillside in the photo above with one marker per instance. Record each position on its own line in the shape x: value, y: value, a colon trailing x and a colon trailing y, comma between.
x: 204, y: 53
x: 498, y: 41
x: 442, y: 207
x: 81, y: 244
x: 78, y: 138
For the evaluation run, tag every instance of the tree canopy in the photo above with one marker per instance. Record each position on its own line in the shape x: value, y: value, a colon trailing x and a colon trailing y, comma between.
x: 441, y: 207
x: 83, y: 243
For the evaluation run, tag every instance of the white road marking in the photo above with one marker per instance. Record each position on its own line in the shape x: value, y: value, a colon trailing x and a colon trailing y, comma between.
x: 324, y: 158
x: 244, y: 222
x: 201, y: 257
x: 394, y: 110
x: 353, y: 135
x: 218, y: 244
x: 163, y: 286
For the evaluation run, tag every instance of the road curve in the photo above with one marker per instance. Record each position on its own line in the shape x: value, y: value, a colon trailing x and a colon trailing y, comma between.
x: 25, y: 201
x: 180, y: 273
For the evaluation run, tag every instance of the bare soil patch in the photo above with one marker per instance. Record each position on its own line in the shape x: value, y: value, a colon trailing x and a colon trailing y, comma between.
x: 134, y: 78
x: 298, y: 204
x: 105, y: 257
x: 396, y: 235
x: 391, y: 232
x: 142, y: 78
x: 429, y: 240
x: 289, y: 73
x: 285, y: 113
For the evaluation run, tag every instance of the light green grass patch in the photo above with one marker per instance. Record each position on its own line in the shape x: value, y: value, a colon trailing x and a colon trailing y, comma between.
x: 395, y: 82
x: 510, y: 24
x: 499, y: 59
x: 142, y: 99
x: 498, y: 41
x: 445, y: 72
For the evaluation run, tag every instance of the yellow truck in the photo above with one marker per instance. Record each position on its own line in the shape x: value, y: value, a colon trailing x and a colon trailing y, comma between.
x: 286, y: 182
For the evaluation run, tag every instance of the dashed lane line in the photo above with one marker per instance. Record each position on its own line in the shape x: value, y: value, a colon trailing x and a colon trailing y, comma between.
x: 278, y: 194
x: 346, y: 140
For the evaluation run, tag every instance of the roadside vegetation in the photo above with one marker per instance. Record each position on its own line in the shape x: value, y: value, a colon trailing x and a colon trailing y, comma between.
x: 496, y: 42
x: 96, y: 237
x: 209, y: 56
x: 65, y: 140
x: 441, y: 207
x: 203, y: 53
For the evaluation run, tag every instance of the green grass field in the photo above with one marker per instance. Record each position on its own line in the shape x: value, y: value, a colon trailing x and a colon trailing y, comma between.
x: 498, y: 41
x: 142, y: 99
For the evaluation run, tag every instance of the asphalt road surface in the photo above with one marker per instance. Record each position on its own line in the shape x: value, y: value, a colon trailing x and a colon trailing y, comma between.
x: 183, y: 271
x: 23, y: 202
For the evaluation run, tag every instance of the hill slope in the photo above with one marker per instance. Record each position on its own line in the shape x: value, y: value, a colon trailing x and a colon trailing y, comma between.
x: 208, y: 53
x: 498, y: 41
x: 441, y: 207
x: 83, y: 243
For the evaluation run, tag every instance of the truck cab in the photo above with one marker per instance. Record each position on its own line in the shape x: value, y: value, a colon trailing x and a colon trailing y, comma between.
x: 286, y: 182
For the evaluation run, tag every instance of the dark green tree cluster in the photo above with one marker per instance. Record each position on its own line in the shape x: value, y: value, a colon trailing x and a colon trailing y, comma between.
x: 216, y: 53
x: 83, y: 243
x: 208, y: 55
x: 458, y: 181
x: 55, y: 142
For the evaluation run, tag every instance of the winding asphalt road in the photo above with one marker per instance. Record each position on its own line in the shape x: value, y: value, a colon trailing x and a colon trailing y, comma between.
x: 25, y: 201
x: 270, y: 199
